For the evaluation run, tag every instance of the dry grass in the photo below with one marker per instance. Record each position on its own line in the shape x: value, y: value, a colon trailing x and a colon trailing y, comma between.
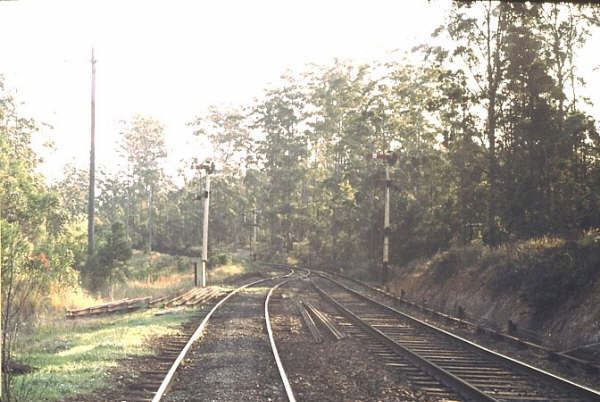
x: 223, y: 272
x: 159, y: 286
x: 61, y: 299
x: 543, y: 274
x: 153, y: 274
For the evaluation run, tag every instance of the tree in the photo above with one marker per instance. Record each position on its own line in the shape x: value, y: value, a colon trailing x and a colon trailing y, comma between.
x: 143, y: 148
x: 108, y: 262
x: 282, y: 157
x: 34, y: 237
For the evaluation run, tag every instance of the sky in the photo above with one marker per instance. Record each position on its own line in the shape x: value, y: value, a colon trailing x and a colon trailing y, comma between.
x: 172, y: 59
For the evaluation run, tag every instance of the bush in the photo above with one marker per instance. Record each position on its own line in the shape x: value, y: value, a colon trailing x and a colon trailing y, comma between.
x: 193, y: 251
x: 447, y: 263
x: 558, y: 274
x: 107, y: 264
x: 183, y: 263
x: 218, y: 259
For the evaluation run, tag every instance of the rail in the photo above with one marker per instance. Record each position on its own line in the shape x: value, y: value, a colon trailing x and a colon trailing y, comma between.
x: 171, y: 373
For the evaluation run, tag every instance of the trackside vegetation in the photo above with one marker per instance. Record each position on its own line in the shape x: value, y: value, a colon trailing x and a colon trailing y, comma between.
x: 76, y: 357
x: 65, y: 358
x: 547, y: 285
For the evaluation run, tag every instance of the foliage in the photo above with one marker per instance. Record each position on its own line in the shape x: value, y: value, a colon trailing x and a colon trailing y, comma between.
x: 489, y: 137
x: 218, y: 259
x: 142, y: 147
x: 492, y: 141
x: 35, y: 239
x: 108, y: 263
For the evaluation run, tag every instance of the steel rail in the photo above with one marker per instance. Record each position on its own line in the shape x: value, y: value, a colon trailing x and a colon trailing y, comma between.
x: 286, y: 383
x: 588, y: 365
x: 445, y: 377
x: 171, y: 373
x: 582, y: 390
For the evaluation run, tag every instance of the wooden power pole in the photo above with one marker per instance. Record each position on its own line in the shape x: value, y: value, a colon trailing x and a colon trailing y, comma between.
x: 90, y: 249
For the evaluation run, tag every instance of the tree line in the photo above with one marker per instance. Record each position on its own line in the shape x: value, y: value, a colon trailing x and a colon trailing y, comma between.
x: 491, y: 135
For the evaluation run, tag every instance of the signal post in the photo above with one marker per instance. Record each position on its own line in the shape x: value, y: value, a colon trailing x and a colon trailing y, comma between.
x: 390, y: 159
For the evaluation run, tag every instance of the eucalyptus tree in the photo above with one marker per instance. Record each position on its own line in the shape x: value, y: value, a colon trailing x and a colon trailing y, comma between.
x: 282, y: 156
x: 338, y: 140
x: 73, y: 191
x: 226, y: 129
x: 143, y: 147
x: 478, y: 33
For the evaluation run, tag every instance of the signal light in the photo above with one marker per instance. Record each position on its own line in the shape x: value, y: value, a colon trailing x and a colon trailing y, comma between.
x: 390, y: 157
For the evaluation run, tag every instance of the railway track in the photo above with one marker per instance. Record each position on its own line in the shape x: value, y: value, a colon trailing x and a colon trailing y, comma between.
x: 590, y: 367
x: 444, y: 366
x: 153, y: 385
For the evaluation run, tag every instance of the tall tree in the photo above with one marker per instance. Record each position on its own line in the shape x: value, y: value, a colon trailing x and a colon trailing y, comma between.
x: 283, y: 156
x: 91, y: 196
x: 143, y: 147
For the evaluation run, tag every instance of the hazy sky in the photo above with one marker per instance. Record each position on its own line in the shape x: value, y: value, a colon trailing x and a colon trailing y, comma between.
x: 171, y: 59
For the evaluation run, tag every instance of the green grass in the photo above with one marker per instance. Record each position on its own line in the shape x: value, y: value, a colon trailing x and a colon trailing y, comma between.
x: 75, y: 357
x: 72, y: 357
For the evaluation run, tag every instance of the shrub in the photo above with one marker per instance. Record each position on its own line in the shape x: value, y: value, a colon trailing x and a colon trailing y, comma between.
x: 558, y: 274
x: 107, y: 265
x: 193, y: 251
x: 447, y: 263
x: 218, y: 259
x: 183, y: 263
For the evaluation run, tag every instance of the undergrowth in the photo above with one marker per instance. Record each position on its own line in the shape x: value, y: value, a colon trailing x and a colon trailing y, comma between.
x: 544, y: 272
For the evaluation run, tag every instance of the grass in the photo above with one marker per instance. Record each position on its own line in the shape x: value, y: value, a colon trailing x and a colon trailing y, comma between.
x: 158, y: 286
x: 75, y: 357
x: 72, y: 357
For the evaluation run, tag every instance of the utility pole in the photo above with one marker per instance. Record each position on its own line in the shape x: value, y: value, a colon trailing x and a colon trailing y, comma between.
x: 386, y: 224
x: 91, y: 197
x: 254, y: 225
x: 389, y: 158
x: 1, y: 372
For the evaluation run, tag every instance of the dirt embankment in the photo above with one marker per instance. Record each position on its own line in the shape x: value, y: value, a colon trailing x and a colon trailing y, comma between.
x: 548, y: 286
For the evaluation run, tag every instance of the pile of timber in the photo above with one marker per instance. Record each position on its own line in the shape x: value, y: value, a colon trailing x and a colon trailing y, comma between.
x: 119, y: 306
x: 191, y: 297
